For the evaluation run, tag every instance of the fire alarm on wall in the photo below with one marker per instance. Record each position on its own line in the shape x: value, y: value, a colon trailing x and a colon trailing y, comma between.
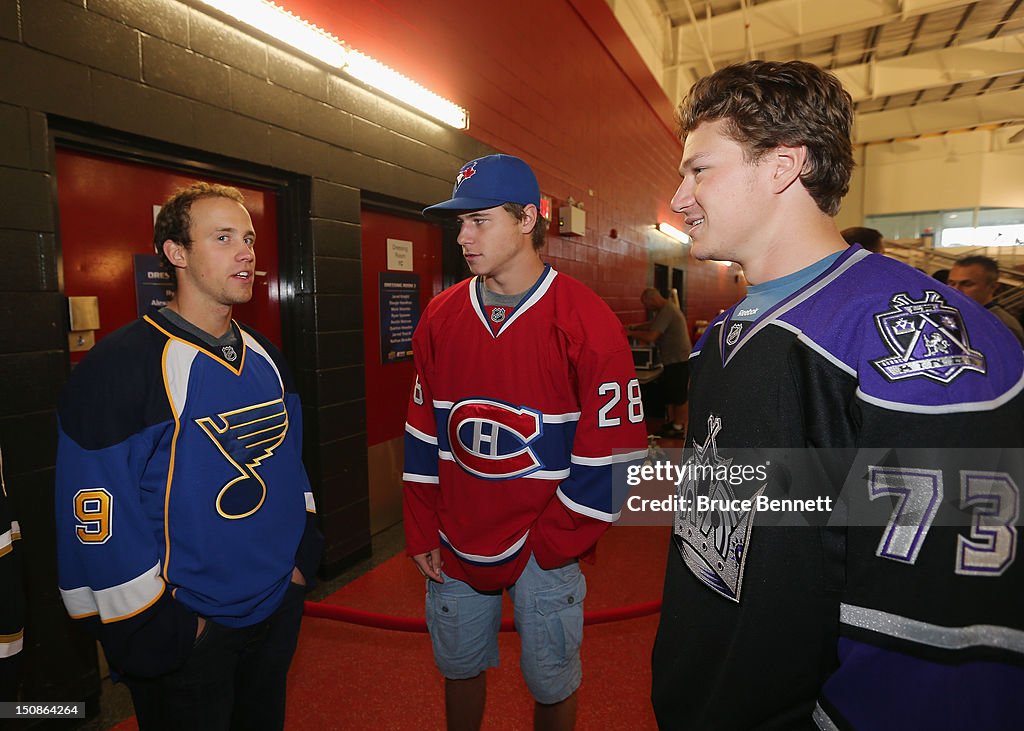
x: 572, y: 221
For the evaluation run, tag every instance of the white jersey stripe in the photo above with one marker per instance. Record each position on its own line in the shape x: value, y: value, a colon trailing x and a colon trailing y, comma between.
x: 533, y: 299
x: 507, y: 553
x: 6, y: 541
x: 547, y: 418
x: 822, y: 720
x: 424, y: 479
x: 815, y: 347
x: 933, y: 635
x: 613, y: 459
x: 561, y: 418
x: 10, y: 645
x: 587, y: 511
x: 178, y: 359
x: 117, y: 602
x: 422, y: 436
x: 944, y: 408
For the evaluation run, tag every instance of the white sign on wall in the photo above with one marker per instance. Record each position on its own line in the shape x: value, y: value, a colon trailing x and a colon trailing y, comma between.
x: 399, y: 255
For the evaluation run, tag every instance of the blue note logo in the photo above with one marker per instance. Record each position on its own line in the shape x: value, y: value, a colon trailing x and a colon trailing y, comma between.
x: 246, y: 437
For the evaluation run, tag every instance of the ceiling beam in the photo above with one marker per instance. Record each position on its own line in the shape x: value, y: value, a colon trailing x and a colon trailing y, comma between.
x: 785, y: 23
x: 931, y: 69
x: 937, y: 117
x: 910, y: 8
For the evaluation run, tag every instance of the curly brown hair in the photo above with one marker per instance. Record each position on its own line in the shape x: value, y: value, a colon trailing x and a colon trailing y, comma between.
x: 174, y: 222
x: 769, y: 103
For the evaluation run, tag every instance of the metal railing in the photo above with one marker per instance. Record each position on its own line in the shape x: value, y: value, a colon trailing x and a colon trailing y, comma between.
x: 915, y: 253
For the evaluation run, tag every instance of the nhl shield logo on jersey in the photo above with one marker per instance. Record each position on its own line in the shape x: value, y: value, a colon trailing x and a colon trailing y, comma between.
x: 491, y: 439
x: 498, y: 314
x: 927, y: 338
x: 713, y: 541
x: 230, y: 354
x: 734, y: 333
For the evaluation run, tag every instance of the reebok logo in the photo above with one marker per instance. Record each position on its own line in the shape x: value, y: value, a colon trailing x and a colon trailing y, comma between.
x: 747, y: 313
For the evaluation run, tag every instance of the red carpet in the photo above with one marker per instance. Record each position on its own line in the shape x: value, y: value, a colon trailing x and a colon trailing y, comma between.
x: 350, y: 677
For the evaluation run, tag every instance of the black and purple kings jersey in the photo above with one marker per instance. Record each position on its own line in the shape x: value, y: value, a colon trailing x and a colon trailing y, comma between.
x: 897, y: 401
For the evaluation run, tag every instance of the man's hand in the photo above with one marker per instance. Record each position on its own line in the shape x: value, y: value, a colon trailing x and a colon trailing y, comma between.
x: 429, y: 564
x: 200, y: 626
x: 297, y: 577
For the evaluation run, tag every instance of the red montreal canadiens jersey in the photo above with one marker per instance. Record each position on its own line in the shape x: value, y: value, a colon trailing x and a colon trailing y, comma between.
x: 516, y: 434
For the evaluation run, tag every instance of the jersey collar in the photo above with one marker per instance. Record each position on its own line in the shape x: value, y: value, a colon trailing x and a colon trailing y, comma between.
x: 535, y: 293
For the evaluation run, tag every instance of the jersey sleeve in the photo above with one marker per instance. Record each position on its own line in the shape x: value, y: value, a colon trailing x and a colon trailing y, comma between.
x: 610, y: 436
x: 12, y: 608
x: 931, y: 621
x: 420, y: 473
x: 109, y: 562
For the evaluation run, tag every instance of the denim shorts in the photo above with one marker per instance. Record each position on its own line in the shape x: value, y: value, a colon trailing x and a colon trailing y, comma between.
x: 548, y: 607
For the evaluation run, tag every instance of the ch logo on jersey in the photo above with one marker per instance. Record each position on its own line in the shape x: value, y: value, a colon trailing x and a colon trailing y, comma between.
x: 465, y: 174
x: 927, y: 338
x: 712, y: 542
x: 491, y: 439
x: 246, y: 437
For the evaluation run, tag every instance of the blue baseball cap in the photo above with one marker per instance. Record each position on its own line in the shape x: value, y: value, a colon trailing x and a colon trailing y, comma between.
x: 488, y: 182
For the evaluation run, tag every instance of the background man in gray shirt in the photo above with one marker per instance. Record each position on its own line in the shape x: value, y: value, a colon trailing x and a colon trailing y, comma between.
x: 669, y: 331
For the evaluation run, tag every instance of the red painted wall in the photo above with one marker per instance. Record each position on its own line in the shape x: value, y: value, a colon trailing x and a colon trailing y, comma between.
x: 106, y: 216
x: 557, y: 83
x: 388, y: 384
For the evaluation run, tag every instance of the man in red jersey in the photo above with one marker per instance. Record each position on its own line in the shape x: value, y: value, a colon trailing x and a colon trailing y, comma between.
x: 525, y: 400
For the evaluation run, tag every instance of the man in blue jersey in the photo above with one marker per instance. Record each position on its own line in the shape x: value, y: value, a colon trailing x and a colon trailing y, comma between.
x: 861, y: 387
x: 186, y: 525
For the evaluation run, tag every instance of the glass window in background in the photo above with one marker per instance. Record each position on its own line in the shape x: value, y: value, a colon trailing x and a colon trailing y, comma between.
x: 960, y: 228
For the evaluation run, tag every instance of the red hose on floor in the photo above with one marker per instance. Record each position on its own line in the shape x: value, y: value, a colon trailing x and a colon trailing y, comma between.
x: 416, y: 624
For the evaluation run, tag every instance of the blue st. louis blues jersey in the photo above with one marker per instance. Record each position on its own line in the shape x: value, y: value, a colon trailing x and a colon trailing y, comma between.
x: 901, y: 401
x: 516, y: 423
x: 180, y: 490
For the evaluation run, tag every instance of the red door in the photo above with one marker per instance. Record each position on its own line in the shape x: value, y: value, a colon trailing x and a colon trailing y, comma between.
x: 106, y: 210
x: 388, y: 384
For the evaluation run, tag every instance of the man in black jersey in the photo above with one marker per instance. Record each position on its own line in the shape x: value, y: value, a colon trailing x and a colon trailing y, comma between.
x: 857, y: 385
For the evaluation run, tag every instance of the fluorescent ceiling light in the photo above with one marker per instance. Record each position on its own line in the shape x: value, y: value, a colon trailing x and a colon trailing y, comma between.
x: 273, y: 20
x: 284, y: 26
x: 673, y: 232
x: 373, y: 73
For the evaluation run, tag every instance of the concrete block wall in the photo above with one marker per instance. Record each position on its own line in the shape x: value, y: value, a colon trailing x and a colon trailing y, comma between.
x: 160, y: 76
x: 558, y: 84
x: 168, y: 81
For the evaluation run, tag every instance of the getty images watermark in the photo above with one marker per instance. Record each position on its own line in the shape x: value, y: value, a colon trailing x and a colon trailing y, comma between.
x: 889, y: 487
x: 732, y: 475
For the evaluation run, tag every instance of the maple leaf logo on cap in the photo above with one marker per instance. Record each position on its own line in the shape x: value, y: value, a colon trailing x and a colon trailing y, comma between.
x: 466, y: 173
